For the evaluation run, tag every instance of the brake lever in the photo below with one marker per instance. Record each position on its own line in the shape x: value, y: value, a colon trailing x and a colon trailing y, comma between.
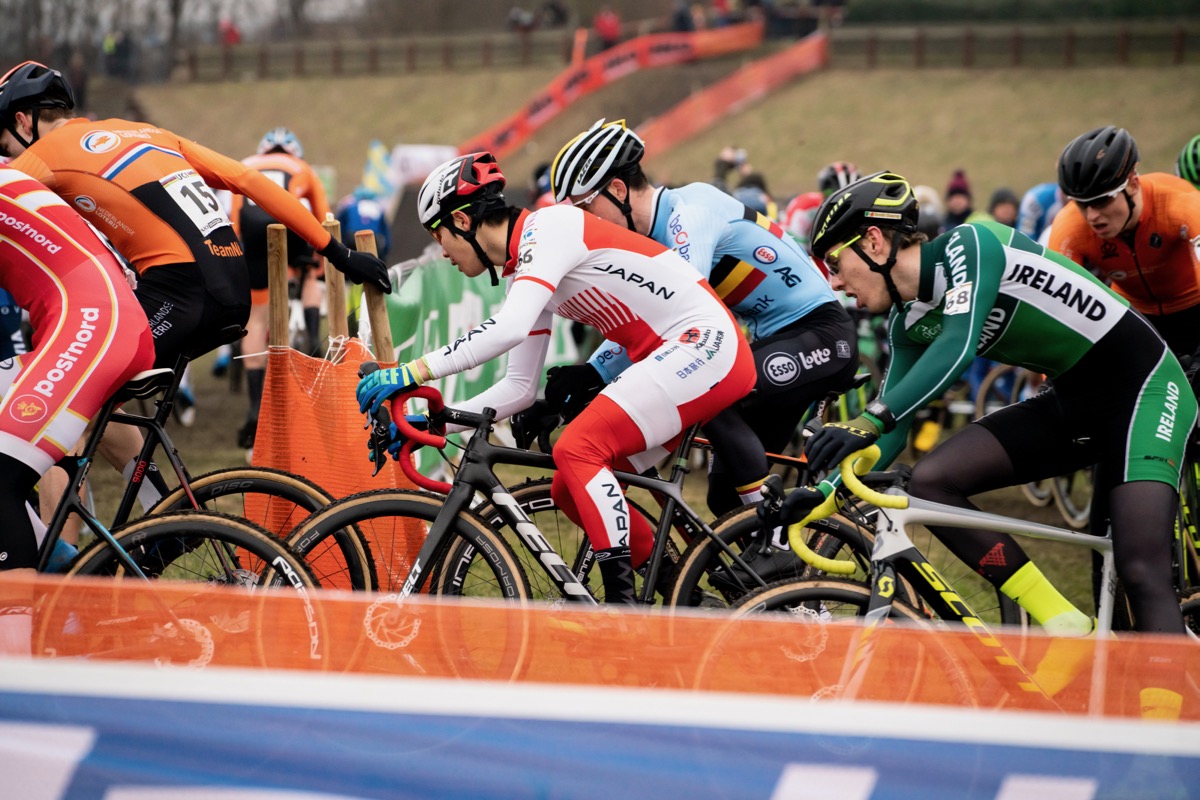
x: 380, y: 438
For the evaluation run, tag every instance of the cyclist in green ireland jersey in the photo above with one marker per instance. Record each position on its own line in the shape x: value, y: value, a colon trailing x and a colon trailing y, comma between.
x: 1119, y: 397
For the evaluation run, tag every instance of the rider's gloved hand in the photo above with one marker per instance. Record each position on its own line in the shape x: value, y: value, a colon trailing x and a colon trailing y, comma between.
x: 799, y: 503
x: 527, y: 425
x: 569, y: 389
x: 358, y: 267
x: 836, y: 440
x: 383, y: 384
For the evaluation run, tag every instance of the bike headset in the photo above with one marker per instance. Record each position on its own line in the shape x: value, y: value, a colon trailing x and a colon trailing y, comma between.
x: 31, y: 86
x: 593, y: 159
x: 837, y: 175
x: 281, y: 139
x: 884, y: 200
x: 472, y: 183
x: 1187, y: 166
x: 1098, y: 163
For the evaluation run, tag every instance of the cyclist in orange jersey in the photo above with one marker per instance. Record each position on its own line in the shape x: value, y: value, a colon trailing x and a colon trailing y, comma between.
x: 150, y: 192
x: 90, y: 336
x: 279, y: 157
x: 1141, y: 232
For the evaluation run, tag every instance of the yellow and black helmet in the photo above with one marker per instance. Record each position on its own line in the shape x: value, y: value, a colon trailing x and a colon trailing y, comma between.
x: 883, y: 199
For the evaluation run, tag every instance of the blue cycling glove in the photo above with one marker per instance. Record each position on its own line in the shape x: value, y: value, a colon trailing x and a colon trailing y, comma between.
x: 383, y: 384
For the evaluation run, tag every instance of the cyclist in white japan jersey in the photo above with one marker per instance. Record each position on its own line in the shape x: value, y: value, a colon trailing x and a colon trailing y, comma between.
x: 690, y: 359
x: 90, y: 336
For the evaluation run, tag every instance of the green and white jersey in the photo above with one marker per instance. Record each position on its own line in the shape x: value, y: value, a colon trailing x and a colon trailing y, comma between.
x: 986, y: 289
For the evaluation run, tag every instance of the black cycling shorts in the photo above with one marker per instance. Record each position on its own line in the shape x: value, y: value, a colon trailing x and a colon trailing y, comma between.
x: 190, y: 305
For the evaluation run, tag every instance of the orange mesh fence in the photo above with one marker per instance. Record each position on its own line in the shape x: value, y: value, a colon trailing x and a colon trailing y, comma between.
x: 310, y: 425
x: 364, y: 633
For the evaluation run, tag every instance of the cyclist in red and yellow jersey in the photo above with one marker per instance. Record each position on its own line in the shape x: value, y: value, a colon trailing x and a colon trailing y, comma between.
x: 90, y: 336
x: 1141, y: 232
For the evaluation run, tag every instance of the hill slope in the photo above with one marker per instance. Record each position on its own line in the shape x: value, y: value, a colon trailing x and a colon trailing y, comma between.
x: 1004, y: 127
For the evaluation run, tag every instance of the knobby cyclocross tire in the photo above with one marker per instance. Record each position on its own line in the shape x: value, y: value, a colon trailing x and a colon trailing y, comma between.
x: 396, y: 522
x: 812, y: 605
x: 564, y: 537
x: 280, y: 500
x: 703, y: 577
x: 280, y: 628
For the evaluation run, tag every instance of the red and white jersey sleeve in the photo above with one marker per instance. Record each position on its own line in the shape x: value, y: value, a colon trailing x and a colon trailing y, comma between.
x: 565, y: 261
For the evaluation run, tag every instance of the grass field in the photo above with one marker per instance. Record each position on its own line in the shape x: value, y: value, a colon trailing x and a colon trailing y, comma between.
x: 1005, y: 127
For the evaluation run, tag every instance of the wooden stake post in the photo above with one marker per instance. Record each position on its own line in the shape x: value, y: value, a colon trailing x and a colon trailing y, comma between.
x: 335, y: 287
x: 277, y: 286
x: 381, y: 327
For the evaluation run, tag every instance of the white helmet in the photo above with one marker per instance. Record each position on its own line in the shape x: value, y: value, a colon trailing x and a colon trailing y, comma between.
x: 594, y: 157
x: 281, y: 139
x: 459, y: 184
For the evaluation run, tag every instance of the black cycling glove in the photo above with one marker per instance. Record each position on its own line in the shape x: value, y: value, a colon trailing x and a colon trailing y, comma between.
x: 529, y: 425
x: 358, y: 267
x: 569, y: 389
x: 836, y: 440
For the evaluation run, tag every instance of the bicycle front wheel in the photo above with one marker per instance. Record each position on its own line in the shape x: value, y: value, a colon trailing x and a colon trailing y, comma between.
x: 179, y: 625
x: 397, y: 522
x: 809, y: 652
x: 707, y: 576
x: 279, y: 501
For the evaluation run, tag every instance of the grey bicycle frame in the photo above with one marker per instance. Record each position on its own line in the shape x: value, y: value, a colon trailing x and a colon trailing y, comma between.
x: 891, y: 538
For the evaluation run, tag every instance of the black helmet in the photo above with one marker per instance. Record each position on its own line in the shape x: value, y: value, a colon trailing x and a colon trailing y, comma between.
x: 33, y: 85
x: 883, y: 199
x: 1096, y: 164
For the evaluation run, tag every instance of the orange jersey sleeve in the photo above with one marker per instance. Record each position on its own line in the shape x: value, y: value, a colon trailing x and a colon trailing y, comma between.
x: 1158, y: 269
x: 150, y: 191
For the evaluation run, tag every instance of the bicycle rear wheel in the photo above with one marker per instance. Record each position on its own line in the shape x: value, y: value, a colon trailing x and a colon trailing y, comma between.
x: 708, y: 577
x: 188, y: 626
x: 279, y: 501
x: 565, y: 538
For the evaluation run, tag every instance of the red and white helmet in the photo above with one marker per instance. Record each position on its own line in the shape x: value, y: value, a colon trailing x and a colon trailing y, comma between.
x: 460, y: 184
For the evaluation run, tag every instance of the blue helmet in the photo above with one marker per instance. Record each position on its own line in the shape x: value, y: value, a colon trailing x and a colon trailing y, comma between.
x: 281, y: 139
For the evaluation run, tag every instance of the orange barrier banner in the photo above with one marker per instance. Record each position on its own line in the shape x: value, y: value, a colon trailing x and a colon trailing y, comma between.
x: 202, y: 625
x: 310, y: 425
x: 749, y: 84
x: 644, y: 52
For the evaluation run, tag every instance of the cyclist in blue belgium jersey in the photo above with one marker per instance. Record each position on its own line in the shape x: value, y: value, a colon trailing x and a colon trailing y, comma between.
x: 804, y: 341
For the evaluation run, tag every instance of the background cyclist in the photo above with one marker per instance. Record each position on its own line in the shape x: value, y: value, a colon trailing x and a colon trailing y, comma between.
x: 1187, y: 164
x: 280, y: 158
x: 690, y: 359
x: 804, y: 342
x: 985, y: 288
x: 1137, y: 231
